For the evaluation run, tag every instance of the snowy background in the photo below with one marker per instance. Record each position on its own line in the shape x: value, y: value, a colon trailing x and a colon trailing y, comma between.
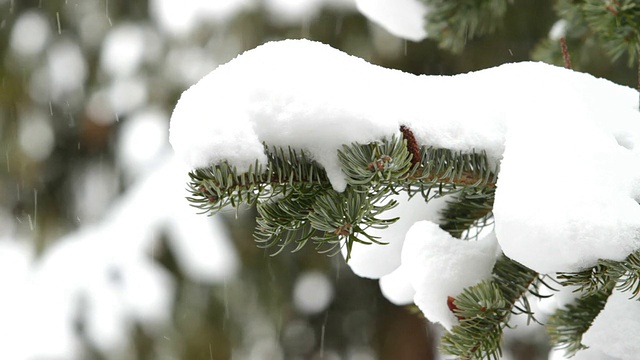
x: 100, y: 255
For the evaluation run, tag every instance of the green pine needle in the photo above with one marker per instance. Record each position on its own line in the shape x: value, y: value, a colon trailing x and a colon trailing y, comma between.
x: 566, y: 326
x: 296, y: 202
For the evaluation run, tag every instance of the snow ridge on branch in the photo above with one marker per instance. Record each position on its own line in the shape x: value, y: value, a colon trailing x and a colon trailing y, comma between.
x: 542, y: 161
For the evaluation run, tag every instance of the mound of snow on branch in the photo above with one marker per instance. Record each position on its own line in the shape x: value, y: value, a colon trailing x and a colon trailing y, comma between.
x: 567, y: 142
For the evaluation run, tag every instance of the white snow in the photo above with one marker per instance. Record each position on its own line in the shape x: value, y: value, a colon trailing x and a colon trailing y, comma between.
x: 186, y: 64
x: 379, y: 260
x: 585, y: 354
x: 396, y: 286
x: 142, y: 140
x: 200, y: 243
x: 181, y: 18
x: 308, y: 95
x: 585, y: 208
x: 567, y: 143
x: 402, y: 18
x: 440, y: 265
x: 312, y: 292
x: 35, y: 134
x: 123, y: 50
x: 125, y: 95
x: 37, y: 26
x: 558, y: 30
x: 103, y: 273
x: 67, y: 69
x: 289, y: 12
x: 614, y: 330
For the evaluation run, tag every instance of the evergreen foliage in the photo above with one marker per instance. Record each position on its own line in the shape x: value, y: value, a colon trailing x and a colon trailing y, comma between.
x: 566, y: 326
x: 616, y: 23
x: 297, y: 204
x: 593, y: 27
x: 453, y: 22
x: 483, y: 311
x: 622, y: 275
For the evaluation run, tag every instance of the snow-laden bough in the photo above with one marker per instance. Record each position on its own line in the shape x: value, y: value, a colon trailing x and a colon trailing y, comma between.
x: 567, y: 145
x: 567, y: 142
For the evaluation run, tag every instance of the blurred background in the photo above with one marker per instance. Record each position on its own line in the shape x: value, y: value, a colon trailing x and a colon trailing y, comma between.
x: 101, y: 256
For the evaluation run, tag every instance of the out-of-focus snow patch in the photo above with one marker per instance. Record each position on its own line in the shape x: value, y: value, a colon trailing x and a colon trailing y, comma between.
x: 102, y: 275
x: 35, y: 134
x: 95, y: 186
x: 143, y: 139
x: 67, y: 69
x: 90, y: 277
x: 185, y: 65
x: 99, y: 108
x: 126, y: 95
x: 290, y: 12
x: 312, y: 292
x: 200, y: 244
x: 123, y: 50
x: 30, y: 313
x: 613, y: 330
x: 558, y: 30
x: 37, y: 26
x: 180, y: 18
x: 402, y: 18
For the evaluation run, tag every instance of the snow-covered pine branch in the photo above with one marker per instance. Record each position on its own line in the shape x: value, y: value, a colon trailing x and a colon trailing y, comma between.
x: 567, y: 146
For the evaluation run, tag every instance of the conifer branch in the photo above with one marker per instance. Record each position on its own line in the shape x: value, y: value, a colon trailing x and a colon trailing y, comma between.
x: 623, y: 275
x: 483, y: 310
x: 453, y: 22
x: 218, y: 186
x: 594, y: 28
x: 566, y: 326
x: 296, y: 202
x: 471, y: 210
x: 617, y: 24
